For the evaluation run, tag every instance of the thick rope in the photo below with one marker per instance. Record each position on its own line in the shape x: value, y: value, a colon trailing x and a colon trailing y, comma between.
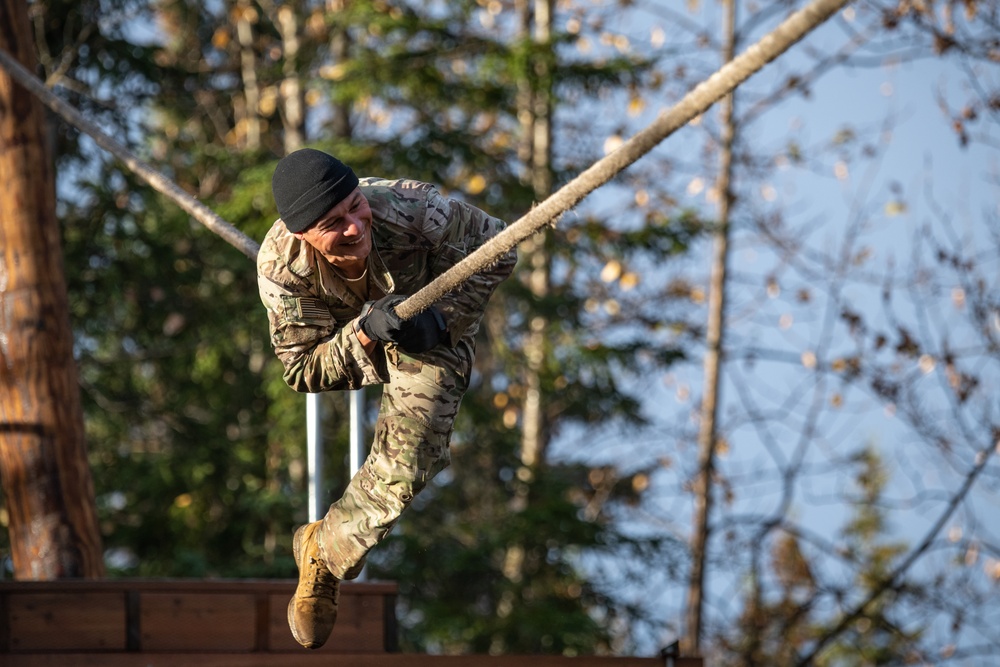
x: 696, y: 102
x: 157, y: 180
x: 735, y: 72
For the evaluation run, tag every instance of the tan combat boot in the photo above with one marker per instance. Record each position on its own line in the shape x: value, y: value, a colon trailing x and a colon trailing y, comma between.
x: 312, y: 611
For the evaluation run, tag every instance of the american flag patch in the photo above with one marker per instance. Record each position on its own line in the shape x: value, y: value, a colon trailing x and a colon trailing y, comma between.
x: 307, y: 310
x: 312, y: 309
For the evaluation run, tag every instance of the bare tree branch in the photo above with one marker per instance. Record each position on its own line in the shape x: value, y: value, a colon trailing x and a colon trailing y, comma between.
x: 895, y: 577
x: 693, y: 104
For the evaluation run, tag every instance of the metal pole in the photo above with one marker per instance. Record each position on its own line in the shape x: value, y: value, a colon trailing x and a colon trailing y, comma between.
x: 314, y: 458
x: 314, y: 446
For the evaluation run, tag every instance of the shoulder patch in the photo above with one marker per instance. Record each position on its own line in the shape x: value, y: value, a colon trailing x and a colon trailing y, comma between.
x: 306, y: 310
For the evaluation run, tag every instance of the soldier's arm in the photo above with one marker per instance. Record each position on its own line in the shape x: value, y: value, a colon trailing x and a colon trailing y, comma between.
x: 318, y: 353
x: 460, y: 228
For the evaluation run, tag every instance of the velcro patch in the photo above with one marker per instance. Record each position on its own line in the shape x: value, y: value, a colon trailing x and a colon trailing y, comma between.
x: 306, y: 309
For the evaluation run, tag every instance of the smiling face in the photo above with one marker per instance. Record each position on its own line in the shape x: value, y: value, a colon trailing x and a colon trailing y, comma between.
x: 343, y: 234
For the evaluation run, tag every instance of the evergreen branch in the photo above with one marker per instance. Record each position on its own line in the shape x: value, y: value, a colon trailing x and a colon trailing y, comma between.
x: 146, y: 172
x: 893, y: 579
x: 547, y: 213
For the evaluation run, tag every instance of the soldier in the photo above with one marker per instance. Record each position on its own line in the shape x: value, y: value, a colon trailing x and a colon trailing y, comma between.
x: 331, y: 271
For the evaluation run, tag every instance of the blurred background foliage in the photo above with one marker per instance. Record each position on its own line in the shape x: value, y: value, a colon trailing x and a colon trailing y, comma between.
x: 562, y: 525
x: 197, y: 446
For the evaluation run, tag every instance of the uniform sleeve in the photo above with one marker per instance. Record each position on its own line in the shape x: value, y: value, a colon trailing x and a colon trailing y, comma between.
x: 318, y: 353
x: 463, y: 228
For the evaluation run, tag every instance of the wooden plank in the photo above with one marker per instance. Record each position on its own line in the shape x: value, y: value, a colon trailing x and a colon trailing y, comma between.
x: 262, y: 625
x: 234, y: 623
x: 197, y: 622
x: 390, y: 624
x: 305, y: 658
x: 282, y: 586
x: 361, y: 624
x: 68, y: 621
x: 4, y: 623
x: 195, y: 615
x: 133, y: 634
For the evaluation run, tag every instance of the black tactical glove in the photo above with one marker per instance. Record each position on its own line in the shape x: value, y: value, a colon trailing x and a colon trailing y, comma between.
x: 379, y: 321
x: 422, y: 332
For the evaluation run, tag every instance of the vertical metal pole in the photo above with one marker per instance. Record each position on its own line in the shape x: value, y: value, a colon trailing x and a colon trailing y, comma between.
x: 314, y: 445
x: 314, y: 458
x: 357, y: 400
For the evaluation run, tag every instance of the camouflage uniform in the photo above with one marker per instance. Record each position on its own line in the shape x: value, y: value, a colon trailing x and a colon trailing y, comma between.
x: 312, y: 310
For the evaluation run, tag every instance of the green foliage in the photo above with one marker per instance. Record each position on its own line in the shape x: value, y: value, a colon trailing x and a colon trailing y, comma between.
x: 172, y: 354
x: 195, y: 441
x: 877, y: 637
x: 512, y: 567
x: 778, y: 623
x: 492, y: 557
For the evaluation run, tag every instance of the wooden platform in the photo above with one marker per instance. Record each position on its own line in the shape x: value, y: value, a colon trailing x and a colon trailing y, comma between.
x: 206, y: 623
x: 163, y: 616
x: 334, y: 660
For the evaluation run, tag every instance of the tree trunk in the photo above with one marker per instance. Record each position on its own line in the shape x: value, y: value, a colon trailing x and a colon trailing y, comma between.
x: 534, y: 113
x: 696, y: 102
x: 537, y: 121
x: 340, y: 46
x: 246, y: 18
x: 43, y: 460
x: 292, y: 103
x: 708, y: 432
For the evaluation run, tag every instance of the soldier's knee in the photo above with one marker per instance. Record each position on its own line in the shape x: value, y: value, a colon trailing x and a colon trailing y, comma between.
x: 414, y: 451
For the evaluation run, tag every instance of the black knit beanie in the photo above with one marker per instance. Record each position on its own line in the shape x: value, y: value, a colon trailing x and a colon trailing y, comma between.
x: 307, y: 183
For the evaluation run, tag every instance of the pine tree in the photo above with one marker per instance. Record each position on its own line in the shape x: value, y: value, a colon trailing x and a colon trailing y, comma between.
x: 182, y: 393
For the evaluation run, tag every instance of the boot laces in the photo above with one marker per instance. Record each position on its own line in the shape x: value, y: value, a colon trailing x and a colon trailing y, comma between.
x: 319, y: 578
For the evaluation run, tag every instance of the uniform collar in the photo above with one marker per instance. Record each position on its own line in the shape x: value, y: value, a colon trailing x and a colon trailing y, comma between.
x: 305, y: 261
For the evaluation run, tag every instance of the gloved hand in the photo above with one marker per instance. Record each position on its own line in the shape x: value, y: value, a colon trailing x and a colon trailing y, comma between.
x: 379, y: 320
x: 419, y: 334
x: 422, y: 332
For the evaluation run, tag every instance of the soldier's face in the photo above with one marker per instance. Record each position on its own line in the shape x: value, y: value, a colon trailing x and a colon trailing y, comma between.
x: 343, y: 234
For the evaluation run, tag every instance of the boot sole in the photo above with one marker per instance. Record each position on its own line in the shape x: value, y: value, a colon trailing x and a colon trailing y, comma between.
x: 295, y: 632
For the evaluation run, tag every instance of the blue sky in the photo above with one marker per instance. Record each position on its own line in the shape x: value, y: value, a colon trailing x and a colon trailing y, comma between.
x: 921, y: 167
x: 920, y: 176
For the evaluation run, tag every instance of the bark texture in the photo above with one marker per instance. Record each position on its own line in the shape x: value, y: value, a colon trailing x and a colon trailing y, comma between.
x: 708, y: 432
x: 43, y: 459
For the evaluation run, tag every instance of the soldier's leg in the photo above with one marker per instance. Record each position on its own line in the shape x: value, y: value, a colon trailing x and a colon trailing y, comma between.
x: 419, y: 405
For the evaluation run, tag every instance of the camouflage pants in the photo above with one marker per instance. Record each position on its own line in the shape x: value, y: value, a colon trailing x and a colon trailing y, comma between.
x: 416, y: 417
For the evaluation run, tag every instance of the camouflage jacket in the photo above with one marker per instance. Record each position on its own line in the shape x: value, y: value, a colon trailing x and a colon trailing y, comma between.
x: 417, y: 235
